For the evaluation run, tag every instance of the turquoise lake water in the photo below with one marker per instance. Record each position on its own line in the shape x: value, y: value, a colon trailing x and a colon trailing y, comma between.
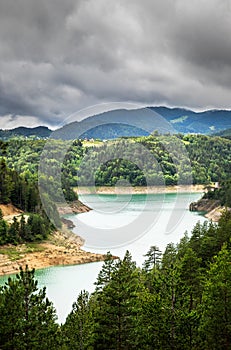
x: 118, y: 223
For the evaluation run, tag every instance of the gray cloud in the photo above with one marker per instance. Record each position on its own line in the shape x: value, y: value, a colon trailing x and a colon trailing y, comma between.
x: 57, y: 56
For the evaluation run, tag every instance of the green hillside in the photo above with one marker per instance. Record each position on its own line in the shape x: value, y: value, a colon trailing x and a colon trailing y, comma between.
x: 151, y: 160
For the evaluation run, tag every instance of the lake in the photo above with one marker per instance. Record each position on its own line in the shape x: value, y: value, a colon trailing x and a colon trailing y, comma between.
x: 117, y: 223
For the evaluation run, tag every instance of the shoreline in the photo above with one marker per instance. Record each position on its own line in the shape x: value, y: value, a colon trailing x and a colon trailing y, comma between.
x: 64, y: 247
x: 215, y: 214
x: 76, y: 207
x: 61, y: 249
x: 211, y: 208
x: 139, y: 189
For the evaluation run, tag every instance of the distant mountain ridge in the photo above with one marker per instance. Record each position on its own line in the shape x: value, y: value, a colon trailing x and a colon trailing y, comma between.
x: 136, y: 122
x: 206, y: 122
x: 144, y: 121
x: 37, y: 132
x: 224, y: 133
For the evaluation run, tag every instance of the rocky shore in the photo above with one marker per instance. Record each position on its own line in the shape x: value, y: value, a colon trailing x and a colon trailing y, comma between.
x: 75, y: 207
x: 63, y: 248
x: 211, y: 208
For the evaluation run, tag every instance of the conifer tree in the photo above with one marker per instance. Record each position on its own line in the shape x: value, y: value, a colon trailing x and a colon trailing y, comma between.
x: 215, y: 326
x: 27, y: 316
x: 5, y: 183
x: 106, y: 272
x: 153, y: 258
x: 117, y: 309
x: 76, y: 331
x: 14, y: 232
x: 4, y: 228
x: 189, y: 298
x: 169, y: 291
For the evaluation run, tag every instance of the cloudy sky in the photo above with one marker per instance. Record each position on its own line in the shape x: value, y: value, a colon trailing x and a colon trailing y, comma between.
x: 58, y: 57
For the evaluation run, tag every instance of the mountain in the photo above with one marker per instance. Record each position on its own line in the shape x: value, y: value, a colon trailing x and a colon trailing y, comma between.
x: 37, y: 132
x: 188, y: 121
x: 117, y: 123
x: 225, y: 133
x: 140, y: 122
x: 135, y: 122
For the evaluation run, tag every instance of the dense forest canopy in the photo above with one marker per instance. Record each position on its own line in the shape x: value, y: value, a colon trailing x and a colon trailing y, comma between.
x: 23, y: 193
x: 21, y: 190
x: 150, y: 160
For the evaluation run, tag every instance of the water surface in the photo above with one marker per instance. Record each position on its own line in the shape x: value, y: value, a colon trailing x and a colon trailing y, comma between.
x: 117, y: 212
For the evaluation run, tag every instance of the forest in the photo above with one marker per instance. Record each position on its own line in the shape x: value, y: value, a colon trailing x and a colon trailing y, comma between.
x: 33, y: 228
x: 179, y: 299
x: 149, y: 160
x: 162, y: 159
x: 19, y: 186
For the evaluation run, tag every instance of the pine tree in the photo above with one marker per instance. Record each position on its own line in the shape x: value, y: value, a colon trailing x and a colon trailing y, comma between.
x: 23, y: 230
x: 169, y: 291
x: 189, y: 298
x: 215, y: 326
x: 4, y: 228
x: 117, y: 309
x: 6, y: 184
x: 153, y: 258
x: 77, y: 329
x: 169, y: 257
x: 105, y: 274
x: 27, y: 316
x: 149, y: 324
x: 196, y: 238
x: 14, y: 232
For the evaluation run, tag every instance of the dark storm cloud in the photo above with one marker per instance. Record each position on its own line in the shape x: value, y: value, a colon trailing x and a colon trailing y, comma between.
x: 57, y: 56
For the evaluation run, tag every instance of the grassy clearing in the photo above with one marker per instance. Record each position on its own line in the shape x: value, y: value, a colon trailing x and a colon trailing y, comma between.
x: 11, y: 252
x: 92, y: 143
x: 17, y: 252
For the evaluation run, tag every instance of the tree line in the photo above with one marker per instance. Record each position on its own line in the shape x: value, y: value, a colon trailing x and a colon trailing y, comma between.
x: 32, y: 228
x: 23, y: 193
x: 149, y: 160
x: 179, y: 299
x: 23, y: 157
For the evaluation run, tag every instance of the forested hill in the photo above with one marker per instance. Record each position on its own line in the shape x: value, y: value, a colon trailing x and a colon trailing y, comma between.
x: 225, y: 133
x: 188, y: 121
x: 160, y: 160
x: 19, y: 186
x: 37, y: 132
x: 23, y: 193
x: 197, y: 159
x: 139, y: 122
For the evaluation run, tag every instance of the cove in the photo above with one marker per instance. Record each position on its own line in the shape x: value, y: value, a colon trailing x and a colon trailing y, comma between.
x: 64, y: 283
